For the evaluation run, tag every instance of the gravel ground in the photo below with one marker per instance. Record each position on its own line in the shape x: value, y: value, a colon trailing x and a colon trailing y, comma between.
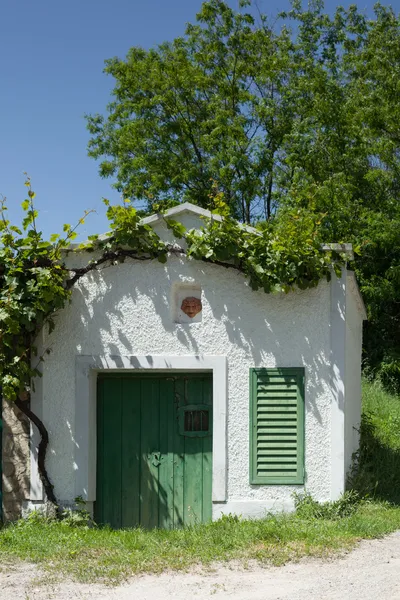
x: 370, y: 572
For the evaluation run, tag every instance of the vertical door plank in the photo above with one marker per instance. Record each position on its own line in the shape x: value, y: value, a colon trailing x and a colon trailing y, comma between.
x: 193, y: 478
x: 207, y: 455
x: 150, y: 407
x: 112, y: 451
x: 166, y: 468
x: 99, y: 504
x: 131, y: 434
x: 179, y: 456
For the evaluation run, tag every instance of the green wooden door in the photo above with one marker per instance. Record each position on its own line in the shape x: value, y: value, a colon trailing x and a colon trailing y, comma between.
x: 154, y: 450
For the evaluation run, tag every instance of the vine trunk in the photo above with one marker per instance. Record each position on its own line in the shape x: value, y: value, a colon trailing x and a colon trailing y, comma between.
x: 23, y: 406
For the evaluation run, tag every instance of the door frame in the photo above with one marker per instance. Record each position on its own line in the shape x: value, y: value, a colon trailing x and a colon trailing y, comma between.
x: 86, y: 370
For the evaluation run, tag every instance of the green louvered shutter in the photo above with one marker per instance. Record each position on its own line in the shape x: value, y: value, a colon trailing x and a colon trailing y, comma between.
x: 277, y: 426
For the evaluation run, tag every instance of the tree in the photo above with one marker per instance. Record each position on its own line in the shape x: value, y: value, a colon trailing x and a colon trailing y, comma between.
x: 276, y: 119
x: 213, y: 105
x: 348, y: 166
x: 375, y: 87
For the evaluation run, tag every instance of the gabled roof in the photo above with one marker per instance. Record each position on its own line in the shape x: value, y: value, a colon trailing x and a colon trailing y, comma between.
x: 187, y: 207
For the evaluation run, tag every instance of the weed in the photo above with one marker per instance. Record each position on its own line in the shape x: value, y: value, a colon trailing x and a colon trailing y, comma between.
x: 345, y: 506
x: 78, y: 516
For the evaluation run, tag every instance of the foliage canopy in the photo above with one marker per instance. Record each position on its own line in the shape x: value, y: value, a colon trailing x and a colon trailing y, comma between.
x: 300, y: 112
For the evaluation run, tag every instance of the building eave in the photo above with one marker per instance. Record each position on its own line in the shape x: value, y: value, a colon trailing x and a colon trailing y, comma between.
x: 355, y: 290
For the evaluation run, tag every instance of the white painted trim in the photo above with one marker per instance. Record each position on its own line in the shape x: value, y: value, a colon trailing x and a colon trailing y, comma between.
x: 346, y: 249
x: 252, y: 509
x: 188, y: 207
x: 355, y: 290
x: 178, y: 210
x: 338, y: 378
x: 36, y: 487
x: 175, y: 211
x: 86, y: 369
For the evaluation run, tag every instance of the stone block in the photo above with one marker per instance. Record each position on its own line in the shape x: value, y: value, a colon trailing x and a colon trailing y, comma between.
x: 16, y: 461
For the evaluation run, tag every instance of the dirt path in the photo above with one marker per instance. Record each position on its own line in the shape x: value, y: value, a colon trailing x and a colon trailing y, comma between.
x: 371, y: 572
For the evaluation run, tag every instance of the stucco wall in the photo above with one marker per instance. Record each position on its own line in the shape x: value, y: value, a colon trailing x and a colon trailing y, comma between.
x: 126, y: 310
x: 352, y: 415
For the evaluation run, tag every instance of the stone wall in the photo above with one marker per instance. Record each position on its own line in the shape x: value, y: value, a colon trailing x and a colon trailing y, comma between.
x: 15, y: 455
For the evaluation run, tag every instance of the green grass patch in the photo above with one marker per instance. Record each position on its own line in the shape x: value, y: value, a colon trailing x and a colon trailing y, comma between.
x: 101, y: 554
x: 69, y: 548
x: 378, y: 467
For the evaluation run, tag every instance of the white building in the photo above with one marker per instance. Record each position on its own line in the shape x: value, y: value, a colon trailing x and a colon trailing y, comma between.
x: 159, y: 418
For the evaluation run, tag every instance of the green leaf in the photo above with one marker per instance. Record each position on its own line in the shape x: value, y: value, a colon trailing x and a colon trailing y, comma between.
x: 259, y: 270
x: 3, y: 314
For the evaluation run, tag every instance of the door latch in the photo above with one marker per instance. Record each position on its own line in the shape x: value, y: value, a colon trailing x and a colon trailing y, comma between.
x: 155, y: 458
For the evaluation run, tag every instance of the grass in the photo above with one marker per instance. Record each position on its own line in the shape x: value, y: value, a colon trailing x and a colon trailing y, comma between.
x: 100, y: 554
x: 378, y: 475
x: 93, y: 554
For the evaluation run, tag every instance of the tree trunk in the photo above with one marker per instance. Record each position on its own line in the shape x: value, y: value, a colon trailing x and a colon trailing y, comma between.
x: 23, y: 406
x: 269, y: 197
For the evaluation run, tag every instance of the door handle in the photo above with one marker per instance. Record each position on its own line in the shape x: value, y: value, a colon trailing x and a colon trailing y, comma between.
x: 155, y: 458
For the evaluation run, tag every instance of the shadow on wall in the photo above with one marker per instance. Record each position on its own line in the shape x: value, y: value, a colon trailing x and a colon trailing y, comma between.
x: 261, y: 343
x: 230, y: 312
x: 160, y: 304
x: 15, y: 458
x: 267, y: 341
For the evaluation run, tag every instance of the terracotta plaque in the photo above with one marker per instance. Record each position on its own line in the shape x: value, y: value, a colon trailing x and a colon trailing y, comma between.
x: 191, y: 306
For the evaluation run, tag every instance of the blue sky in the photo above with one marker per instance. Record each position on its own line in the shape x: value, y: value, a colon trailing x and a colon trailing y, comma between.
x: 51, y: 63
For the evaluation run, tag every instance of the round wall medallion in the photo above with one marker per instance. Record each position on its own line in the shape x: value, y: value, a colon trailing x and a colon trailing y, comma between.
x: 191, y: 306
